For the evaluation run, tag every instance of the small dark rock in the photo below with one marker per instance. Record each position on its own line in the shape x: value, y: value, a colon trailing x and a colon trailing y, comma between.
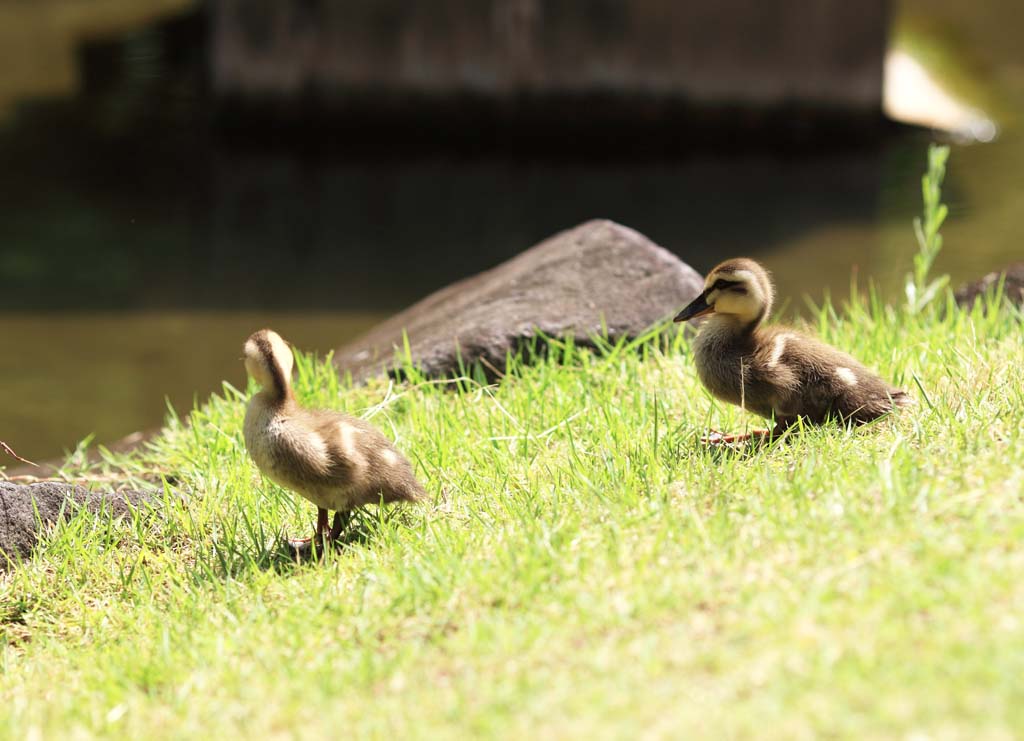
x: 1013, y: 288
x: 598, y: 276
x: 26, y: 509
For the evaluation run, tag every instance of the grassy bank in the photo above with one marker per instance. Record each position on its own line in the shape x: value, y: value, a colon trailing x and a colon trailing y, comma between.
x: 585, y: 567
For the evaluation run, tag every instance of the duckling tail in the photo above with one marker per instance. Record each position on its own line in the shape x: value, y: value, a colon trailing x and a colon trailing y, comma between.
x: 405, y: 487
x: 417, y: 492
x: 902, y: 398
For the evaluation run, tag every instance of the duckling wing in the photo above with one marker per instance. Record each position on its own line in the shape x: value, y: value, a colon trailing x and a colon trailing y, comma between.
x: 365, y: 462
x: 340, y: 443
x: 828, y: 383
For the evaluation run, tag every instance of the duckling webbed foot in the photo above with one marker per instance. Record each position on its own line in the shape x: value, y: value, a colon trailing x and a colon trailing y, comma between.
x: 301, y: 545
x: 714, y: 437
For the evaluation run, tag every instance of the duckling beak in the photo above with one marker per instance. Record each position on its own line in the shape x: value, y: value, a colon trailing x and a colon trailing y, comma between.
x: 698, y: 307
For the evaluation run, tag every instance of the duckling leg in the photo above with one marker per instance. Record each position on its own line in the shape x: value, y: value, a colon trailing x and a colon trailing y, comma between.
x: 341, y: 520
x: 321, y: 524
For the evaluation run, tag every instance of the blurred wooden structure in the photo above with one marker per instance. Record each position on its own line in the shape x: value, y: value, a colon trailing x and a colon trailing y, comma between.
x: 743, y: 53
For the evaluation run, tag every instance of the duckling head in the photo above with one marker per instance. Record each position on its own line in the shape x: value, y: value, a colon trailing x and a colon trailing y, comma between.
x: 738, y: 289
x: 269, y: 360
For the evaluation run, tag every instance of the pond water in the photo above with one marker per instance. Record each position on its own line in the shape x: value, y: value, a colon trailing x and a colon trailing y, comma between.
x: 137, y: 252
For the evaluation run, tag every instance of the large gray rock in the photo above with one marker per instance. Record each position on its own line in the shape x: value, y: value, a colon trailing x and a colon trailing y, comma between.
x: 1013, y: 287
x: 26, y: 509
x: 600, y: 275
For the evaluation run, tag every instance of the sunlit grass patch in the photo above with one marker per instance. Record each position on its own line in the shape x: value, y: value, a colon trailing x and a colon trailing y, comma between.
x: 585, y: 566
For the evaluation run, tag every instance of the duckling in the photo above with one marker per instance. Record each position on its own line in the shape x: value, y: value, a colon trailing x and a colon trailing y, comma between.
x: 775, y: 372
x: 335, y: 461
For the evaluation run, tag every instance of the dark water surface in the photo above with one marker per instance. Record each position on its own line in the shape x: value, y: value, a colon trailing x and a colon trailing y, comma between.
x: 137, y: 251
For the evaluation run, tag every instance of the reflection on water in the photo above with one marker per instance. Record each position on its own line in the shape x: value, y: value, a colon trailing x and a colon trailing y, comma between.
x: 72, y: 375
x: 137, y: 252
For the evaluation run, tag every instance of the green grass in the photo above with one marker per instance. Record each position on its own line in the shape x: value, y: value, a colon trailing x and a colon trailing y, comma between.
x: 586, y: 567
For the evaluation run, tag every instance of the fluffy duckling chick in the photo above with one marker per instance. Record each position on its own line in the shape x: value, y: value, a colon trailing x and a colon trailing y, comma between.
x: 335, y: 461
x: 776, y: 372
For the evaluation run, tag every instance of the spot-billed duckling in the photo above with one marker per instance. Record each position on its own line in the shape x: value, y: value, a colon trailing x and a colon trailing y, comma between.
x: 335, y: 461
x: 775, y: 372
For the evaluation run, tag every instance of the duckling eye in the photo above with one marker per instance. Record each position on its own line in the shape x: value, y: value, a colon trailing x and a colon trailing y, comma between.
x: 727, y: 285
x: 738, y: 289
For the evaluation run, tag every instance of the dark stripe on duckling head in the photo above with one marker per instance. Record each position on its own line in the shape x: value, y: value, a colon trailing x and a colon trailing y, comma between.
x: 282, y: 385
x: 736, y: 286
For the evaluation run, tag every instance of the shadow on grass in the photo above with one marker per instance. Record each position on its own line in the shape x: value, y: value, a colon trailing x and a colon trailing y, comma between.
x: 282, y: 555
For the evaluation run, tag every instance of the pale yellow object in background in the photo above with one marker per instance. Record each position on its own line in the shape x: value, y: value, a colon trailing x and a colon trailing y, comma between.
x: 39, y: 40
x: 911, y: 95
